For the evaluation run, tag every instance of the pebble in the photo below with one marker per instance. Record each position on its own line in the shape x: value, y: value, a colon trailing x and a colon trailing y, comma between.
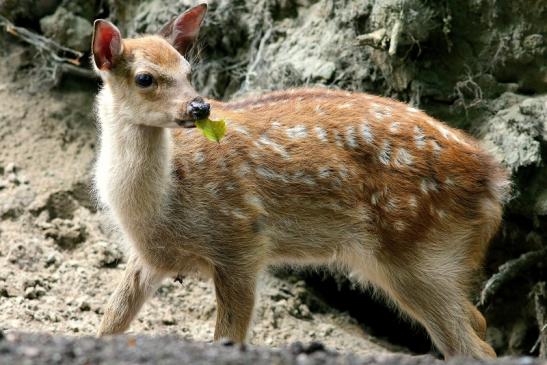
x: 84, y: 306
x: 11, y: 168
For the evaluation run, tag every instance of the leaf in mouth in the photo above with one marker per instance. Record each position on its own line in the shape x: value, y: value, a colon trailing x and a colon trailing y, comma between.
x: 214, y: 130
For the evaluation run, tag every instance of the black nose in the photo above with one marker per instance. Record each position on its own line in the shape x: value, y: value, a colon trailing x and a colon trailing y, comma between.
x: 199, y: 109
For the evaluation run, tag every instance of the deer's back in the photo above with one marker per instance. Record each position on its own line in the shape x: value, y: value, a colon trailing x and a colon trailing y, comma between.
x: 318, y: 163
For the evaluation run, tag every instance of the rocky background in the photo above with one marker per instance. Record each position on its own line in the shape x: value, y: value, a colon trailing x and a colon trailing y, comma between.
x: 479, y: 65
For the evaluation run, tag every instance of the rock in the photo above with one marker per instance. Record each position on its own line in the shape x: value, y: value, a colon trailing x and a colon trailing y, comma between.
x: 84, y: 306
x: 68, y: 29
x: 515, y: 132
x: 11, y: 168
x: 58, y: 204
x: 27, y: 10
x: 104, y: 254
x: 66, y: 233
x: 85, y: 9
x: 34, y: 292
x: 14, y: 202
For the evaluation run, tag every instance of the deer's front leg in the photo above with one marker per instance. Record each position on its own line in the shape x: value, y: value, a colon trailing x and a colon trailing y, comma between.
x: 235, y: 293
x: 138, y: 282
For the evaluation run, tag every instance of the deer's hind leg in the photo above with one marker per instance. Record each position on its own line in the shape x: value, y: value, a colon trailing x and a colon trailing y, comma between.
x: 432, y: 289
x: 138, y: 282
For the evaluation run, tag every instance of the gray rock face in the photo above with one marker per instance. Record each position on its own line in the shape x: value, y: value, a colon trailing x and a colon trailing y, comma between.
x: 68, y: 29
x: 517, y: 131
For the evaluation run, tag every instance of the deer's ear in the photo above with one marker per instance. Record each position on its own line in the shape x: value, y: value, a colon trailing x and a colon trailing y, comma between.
x: 106, y: 44
x: 183, y: 30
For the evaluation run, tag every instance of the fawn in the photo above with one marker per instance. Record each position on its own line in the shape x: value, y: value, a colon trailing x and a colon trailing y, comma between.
x: 359, y: 183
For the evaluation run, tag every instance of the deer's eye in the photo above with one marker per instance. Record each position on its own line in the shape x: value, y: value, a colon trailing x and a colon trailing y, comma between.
x: 144, y: 80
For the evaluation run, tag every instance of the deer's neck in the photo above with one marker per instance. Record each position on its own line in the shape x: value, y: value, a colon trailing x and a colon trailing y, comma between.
x: 133, y: 173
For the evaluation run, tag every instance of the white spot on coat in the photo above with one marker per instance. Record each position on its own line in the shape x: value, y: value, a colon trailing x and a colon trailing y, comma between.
x: 319, y: 111
x: 324, y: 172
x: 392, y: 205
x: 199, y: 157
x: 366, y: 133
x: 308, y: 180
x: 296, y: 132
x: 269, y: 174
x: 264, y: 140
x: 255, y: 202
x: 241, y: 130
x: 412, y: 202
x: 428, y: 185
x: 343, y: 172
x: 237, y: 213
x: 419, y: 137
x: 385, y: 153
x: 244, y: 169
x: 403, y: 157
x: 412, y: 110
x: 394, y: 127
x: 345, y: 106
x: 374, y: 198
x: 399, y: 226
x: 442, y: 130
x: 350, y: 137
x: 337, y: 138
x: 321, y: 134
x: 212, y: 188
x: 435, y: 147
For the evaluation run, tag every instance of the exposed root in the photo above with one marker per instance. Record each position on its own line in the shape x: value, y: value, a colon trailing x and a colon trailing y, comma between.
x: 509, y: 271
x: 468, y: 86
x: 376, y: 39
x: 540, y: 300
x: 396, y: 32
x: 58, y: 60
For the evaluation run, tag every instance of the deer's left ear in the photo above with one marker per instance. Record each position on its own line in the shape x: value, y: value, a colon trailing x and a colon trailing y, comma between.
x: 183, y: 30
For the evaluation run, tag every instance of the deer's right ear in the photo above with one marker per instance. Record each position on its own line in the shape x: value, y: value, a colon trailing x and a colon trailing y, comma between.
x: 106, y: 44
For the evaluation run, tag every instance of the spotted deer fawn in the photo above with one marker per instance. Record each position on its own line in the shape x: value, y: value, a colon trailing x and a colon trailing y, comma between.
x: 356, y: 182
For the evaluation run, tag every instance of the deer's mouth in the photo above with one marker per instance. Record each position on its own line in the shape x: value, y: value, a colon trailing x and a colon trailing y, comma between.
x: 186, y: 123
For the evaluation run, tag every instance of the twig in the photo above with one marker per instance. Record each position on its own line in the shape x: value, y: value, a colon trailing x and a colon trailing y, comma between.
x: 540, y: 301
x: 258, y: 57
x: 57, y: 52
x: 509, y: 271
x: 396, y: 32
x: 376, y: 39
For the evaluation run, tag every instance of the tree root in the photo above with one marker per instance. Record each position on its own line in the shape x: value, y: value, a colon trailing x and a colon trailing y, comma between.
x: 540, y: 301
x: 64, y: 60
x: 509, y: 271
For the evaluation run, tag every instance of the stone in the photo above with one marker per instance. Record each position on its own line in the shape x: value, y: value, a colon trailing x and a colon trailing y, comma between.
x: 69, y: 30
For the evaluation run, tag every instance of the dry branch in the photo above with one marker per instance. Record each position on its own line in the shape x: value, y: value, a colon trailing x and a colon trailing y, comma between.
x: 65, y: 59
x: 511, y: 270
x: 540, y: 301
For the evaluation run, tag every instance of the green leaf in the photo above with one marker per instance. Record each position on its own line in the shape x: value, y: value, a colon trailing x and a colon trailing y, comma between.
x: 214, y: 130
